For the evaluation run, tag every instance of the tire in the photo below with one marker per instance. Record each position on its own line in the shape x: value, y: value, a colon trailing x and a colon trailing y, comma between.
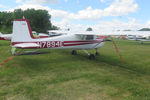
x: 74, y: 52
x: 97, y: 53
x: 91, y: 57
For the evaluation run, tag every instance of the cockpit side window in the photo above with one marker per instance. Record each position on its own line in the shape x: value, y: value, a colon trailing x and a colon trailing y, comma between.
x: 89, y: 37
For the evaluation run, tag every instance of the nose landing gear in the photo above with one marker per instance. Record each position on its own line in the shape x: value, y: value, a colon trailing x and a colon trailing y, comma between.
x: 91, y: 56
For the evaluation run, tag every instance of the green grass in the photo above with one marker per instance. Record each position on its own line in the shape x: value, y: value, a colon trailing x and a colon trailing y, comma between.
x: 62, y: 76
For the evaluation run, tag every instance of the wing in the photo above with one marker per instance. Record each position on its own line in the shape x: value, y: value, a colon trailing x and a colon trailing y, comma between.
x: 26, y: 45
x: 113, y: 33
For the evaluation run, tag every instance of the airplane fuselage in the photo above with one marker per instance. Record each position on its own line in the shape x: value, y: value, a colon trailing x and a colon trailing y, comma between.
x: 66, y: 42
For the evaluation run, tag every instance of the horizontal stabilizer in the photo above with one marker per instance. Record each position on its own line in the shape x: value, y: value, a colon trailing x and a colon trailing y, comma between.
x: 26, y: 45
x: 1, y: 34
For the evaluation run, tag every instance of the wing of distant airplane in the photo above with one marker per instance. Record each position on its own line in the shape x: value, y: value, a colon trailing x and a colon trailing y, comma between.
x: 5, y: 36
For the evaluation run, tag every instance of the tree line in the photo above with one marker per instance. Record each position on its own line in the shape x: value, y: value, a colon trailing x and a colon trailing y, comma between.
x: 39, y: 20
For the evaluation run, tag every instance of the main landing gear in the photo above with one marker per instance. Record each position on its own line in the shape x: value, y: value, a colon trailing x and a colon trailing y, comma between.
x: 91, y: 56
x: 97, y: 53
x: 74, y: 52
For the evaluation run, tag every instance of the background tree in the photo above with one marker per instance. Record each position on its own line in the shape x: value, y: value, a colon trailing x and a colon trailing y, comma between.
x: 39, y: 20
x: 144, y: 29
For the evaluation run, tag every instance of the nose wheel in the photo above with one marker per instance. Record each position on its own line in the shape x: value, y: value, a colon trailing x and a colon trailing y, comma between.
x: 91, y: 56
x: 97, y: 53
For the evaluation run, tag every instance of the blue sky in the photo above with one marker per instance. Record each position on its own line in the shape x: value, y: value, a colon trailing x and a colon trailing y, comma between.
x: 98, y: 14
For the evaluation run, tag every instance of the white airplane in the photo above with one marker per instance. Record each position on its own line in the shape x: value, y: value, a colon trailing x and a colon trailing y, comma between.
x: 143, y: 38
x: 23, y: 38
x: 131, y: 37
x: 139, y: 36
x: 5, y: 36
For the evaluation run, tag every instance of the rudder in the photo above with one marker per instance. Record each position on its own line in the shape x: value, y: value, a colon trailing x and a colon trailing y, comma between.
x: 22, y: 31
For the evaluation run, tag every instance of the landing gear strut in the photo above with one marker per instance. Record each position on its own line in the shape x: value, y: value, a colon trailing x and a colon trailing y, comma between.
x: 97, y: 53
x: 74, y: 52
x: 91, y: 56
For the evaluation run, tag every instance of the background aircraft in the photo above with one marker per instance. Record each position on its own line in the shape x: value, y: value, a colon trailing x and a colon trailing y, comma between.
x: 5, y: 36
x: 139, y: 36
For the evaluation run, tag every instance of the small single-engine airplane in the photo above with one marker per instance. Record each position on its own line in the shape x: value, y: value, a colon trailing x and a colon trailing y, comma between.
x: 23, y: 38
x: 5, y: 36
x: 142, y: 36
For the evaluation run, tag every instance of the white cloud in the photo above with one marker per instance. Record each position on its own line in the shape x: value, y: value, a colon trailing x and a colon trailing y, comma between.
x: 41, y: 1
x: 102, y: 0
x: 66, y: 0
x: 88, y: 13
x: 117, y: 8
x: 120, y: 7
x: 148, y: 23
x: 18, y: 1
x: 2, y: 6
x: 26, y: 6
x: 118, y: 25
x: 65, y: 24
x: 102, y: 25
x: 58, y: 13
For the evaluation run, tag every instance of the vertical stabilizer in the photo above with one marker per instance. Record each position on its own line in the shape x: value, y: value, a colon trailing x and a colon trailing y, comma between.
x: 22, y: 31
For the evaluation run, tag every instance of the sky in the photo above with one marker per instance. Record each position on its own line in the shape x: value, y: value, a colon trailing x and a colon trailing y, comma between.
x: 97, y: 14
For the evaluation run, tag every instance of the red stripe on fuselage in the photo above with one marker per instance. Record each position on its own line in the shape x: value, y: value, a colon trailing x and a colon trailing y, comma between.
x: 49, y: 44
x: 95, y: 41
x: 1, y: 38
x: 75, y: 43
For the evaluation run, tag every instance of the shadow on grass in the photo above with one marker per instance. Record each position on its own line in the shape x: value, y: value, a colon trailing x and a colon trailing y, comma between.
x: 41, y: 62
x: 109, y: 60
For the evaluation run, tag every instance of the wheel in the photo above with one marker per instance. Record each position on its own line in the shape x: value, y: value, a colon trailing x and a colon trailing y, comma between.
x: 91, y: 57
x: 74, y: 52
x: 97, y: 53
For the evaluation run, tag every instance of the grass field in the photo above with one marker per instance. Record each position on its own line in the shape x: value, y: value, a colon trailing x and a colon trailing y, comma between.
x: 62, y: 76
